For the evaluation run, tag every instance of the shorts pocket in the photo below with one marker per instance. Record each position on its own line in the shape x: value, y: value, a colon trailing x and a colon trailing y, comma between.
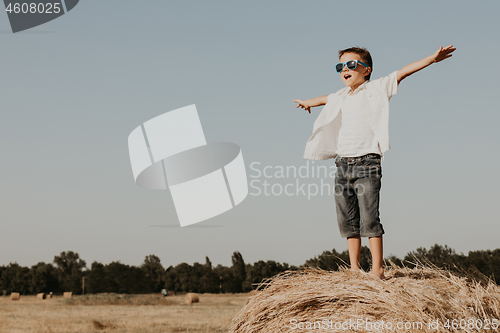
x: 371, y: 162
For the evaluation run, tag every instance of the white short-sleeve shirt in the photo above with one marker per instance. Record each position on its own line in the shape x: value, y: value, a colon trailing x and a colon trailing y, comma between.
x: 372, y: 99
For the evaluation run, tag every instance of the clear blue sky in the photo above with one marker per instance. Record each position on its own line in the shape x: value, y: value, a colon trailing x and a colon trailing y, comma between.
x: 73, y: 89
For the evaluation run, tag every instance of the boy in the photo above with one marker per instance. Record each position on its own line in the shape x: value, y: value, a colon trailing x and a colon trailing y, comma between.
x: 353, y: 128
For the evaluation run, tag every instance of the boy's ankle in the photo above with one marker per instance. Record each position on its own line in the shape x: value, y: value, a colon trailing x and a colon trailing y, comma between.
x: 378, y: 272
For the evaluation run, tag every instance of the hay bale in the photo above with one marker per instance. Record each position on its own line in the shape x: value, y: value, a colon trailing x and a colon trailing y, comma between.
x: 353, y: 301
x: 48, y: 296
x: 251, y: 294
x: 192, y: 298
x: 14, y: 296
x: 40, y: 295
x: 68, y: 294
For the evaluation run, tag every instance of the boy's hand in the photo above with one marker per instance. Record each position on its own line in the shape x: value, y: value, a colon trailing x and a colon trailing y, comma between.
x: 303, y: 104
x: 445, y: 53
x: 308, y: 104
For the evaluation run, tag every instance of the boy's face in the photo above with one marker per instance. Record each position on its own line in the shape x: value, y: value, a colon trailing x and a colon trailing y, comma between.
x: 353, y: 77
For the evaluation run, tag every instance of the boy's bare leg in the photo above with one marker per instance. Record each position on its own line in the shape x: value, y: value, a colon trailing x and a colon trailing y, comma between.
x: 376, y: 247
x: 354, y: 247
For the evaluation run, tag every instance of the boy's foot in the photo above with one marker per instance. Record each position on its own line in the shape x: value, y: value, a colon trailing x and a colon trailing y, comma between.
x: 378, y: 274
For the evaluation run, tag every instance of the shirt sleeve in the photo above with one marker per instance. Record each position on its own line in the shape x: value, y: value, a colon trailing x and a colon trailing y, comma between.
x: 388, y: 84
x: 333, y: 96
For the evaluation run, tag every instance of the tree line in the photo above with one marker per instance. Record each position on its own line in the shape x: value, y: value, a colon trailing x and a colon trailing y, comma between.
x: 69, y: 272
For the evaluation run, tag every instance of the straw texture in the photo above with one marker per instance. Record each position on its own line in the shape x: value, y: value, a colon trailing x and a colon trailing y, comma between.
x: 421, y: 299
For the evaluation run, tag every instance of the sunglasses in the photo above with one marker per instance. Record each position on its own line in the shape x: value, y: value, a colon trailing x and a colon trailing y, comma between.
x: 351, y: 64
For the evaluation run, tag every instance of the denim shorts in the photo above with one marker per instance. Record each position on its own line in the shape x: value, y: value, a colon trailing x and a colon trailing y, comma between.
x: 357, y: 189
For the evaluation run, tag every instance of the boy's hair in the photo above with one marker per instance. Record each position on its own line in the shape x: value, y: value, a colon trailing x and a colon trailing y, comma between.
x: 363, y: 53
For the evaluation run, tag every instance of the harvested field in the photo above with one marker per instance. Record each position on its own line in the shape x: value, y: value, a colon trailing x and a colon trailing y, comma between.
x: 120, y: 299
x: 100, y: 313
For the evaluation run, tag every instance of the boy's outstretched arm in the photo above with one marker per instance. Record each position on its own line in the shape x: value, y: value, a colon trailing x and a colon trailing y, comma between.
x: 438, y: 56
x: 308, y: 104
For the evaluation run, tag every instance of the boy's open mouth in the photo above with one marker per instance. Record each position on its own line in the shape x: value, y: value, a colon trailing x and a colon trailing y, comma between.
x: 347, y: 76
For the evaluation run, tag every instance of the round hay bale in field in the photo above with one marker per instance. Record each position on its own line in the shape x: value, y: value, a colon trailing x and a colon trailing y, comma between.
x: 68, y: 294
x: 192, y: 298
x: 40, y: 296
x: 14, y: 296
x: 410, y: 300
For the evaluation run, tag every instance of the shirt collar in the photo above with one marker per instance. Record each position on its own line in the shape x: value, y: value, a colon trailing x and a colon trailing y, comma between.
x: 361, y: 87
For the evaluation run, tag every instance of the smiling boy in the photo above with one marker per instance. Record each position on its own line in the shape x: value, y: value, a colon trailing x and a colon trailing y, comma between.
x: 353, y: 128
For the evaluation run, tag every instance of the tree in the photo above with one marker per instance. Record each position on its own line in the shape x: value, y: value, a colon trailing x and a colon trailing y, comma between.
x: 238, y: 270
x: 15, y: 278
x: 441, y: 256
x: 70, y: 271
x: 227, y: 283
x: 332, y: 260
x: 328, y: 260
x: 97, y: 279
x: 208, y: 263
x: 155, y: 273
x: 125, y: 279
x: 180, y: 278
x: 43, y: 278
x: 209, y: 280
x: 117, y: 278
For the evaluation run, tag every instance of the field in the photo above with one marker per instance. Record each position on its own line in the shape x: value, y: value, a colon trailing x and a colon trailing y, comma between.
x: 212, y: 314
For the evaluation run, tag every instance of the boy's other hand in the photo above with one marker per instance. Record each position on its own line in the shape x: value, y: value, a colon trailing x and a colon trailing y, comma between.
x: 302, y: 104
x: 445, y: 53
